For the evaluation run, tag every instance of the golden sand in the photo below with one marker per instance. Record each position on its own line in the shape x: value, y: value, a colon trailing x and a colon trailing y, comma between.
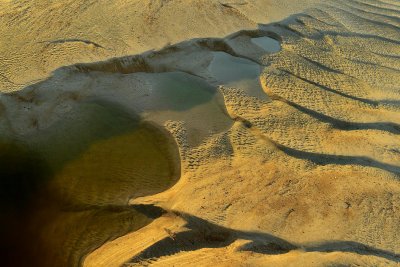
x: 304, y: 174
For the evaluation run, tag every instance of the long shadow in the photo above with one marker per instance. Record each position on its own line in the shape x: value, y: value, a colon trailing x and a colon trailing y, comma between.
x: 350, y: 5
x: 363, y: 62
x: 390, y: 127
x: 353, y: 247
x: 325, y: 159
x: 364, y: 19
x: 200, y: 232
x: 302, y: 16
x: 361, y: 35
x: 391, y: 56
x: 378, y: 7
x: 285, y: 24
x: 390, y: 102
x: 204, y: 234
x: 323, y: 87
x: 69, y: 40
x: 321, y: 66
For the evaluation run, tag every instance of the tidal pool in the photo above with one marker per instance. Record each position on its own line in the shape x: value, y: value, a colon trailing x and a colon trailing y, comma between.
x: 269, y: 44
x: 237, y: 72
x: 65, y: 187
x: 183, y: 97
x: 64, y: 190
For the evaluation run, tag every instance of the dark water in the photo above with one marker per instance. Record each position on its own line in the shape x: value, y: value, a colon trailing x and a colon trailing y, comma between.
x: 64, y: 190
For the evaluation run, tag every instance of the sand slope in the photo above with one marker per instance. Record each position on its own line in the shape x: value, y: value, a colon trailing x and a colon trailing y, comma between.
x: 307, y: 176
x: 40, y: 36
x: 317, y: 166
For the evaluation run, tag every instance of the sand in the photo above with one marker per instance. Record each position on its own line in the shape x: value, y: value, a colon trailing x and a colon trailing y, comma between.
x: 40, y: 36
x: 298, y: 168
x: 67, y: 186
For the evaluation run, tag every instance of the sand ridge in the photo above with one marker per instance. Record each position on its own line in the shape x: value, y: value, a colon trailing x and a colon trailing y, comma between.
x: 313, y: 164
x: 308, y: 175
x: 40, y: 36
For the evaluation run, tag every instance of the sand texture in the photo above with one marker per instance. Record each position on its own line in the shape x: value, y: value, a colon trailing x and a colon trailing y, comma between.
x: 286, y: 158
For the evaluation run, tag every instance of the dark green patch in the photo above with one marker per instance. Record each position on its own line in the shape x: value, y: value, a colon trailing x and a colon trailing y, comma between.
x: 64, y: 190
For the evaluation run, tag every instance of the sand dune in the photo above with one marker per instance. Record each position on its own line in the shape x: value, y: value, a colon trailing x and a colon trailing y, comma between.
x: 288, y: 157
x: 40, y: 36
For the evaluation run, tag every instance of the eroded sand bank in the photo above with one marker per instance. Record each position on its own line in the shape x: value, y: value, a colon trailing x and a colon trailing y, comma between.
x: 65, y: 188
x: 306, y: 173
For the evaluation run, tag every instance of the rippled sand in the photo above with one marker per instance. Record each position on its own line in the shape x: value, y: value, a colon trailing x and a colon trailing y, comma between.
x: 66, y: 187
x: 287, y: 157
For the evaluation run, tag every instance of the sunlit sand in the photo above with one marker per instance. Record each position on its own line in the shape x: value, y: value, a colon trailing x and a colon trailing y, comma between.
x: 200, y: 133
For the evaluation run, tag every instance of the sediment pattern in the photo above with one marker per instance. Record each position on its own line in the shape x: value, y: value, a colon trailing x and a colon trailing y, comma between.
x: 308, y: 173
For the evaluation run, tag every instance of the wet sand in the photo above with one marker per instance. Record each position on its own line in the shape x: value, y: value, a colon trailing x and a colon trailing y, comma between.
x: 69, y: 185
x: 303, y: 171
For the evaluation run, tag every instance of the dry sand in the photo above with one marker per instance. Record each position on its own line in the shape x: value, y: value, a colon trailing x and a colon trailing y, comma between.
x: 40, y: 36
x: 306, y: 176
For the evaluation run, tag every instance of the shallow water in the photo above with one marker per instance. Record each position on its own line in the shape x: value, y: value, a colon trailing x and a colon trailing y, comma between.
x: 237, y: 72
x: 67, y: 186
x: 180, y: 96
x: 269, y: 44
x: 65, y: 189
x: 179, y: 91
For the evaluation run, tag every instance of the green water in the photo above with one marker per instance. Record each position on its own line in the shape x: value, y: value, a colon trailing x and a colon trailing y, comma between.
x: 64, y: 190
x: 180, y: 91
x: 179, y: 96
x: 237, y: 72
x: 269, y: 44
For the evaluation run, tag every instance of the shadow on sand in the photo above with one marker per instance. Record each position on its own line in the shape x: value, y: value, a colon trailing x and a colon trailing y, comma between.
x: 204, y: 234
